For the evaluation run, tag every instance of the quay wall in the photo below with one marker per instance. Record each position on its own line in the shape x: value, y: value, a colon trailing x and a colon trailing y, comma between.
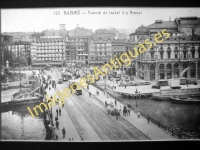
x: 166, y: 128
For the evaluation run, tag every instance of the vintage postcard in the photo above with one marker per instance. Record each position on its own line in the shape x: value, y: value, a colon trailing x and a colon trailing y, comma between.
x: 100, y: 74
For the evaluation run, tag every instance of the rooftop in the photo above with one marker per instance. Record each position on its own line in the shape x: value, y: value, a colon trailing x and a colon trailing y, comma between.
x: 159, y: 24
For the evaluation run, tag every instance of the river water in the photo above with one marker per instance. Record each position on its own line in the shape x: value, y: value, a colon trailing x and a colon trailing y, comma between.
x: 17, y: 124
x: 171, y: 114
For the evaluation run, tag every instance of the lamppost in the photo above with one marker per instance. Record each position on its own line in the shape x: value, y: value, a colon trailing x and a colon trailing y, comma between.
x: 20, y: 76
x: 136, y: 95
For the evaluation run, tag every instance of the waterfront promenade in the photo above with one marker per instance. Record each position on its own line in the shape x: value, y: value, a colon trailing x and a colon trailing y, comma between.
x: 141, y: 88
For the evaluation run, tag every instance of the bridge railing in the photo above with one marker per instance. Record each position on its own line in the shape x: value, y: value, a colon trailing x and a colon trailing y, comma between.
x: 172, y: 131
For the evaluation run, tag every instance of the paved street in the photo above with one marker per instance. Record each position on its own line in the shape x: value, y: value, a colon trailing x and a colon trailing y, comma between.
x: 89, y: 120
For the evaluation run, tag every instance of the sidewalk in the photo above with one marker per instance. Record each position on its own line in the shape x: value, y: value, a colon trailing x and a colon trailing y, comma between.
x: 76, y: 125
x: 64, y: 121
x: 151, y: 130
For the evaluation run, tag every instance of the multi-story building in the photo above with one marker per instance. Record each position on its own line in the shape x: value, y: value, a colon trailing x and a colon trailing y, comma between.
x: 48, y: 50
x: 77, y: 50
x: 20, y: 53
x: 118, y: 47
x: 100, y: 50
x: 105, y: 34
x: 50, y: 32
x: 80, y: 31
x: 169, y: 58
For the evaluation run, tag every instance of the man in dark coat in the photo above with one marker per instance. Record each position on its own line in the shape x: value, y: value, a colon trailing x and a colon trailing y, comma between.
x: 148, y: 118
x: 57, y: 124
x: 59, y: 112
x: 63, y: 132
x: 56, y: 118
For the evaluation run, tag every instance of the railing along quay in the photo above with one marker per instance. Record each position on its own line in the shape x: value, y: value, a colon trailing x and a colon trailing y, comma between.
x: 54, y: 135
x: 170, y: 130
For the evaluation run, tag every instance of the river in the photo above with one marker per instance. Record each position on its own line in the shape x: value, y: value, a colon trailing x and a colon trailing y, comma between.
x: 185, y: 115
x: 17, y: 124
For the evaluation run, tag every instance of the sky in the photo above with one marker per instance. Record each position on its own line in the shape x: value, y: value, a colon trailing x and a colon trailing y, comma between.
x: 39, y: 19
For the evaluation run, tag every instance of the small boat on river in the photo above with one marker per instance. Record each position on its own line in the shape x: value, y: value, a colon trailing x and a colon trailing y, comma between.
x: 185, y: 100
x: 159, y: 96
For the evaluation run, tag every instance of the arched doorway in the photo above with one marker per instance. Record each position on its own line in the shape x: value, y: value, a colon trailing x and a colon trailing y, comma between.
x: 193, y: 71
x: 184, y: 67
x: 162, y: 71
x: 169, y: 71
x: 152, y: 72
x: 176, y: 70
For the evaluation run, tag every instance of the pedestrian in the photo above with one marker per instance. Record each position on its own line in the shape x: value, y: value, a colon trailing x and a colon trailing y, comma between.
x: 56, y: 118
x: 124, y: 113
x: 49, y: 88
x: 107, y: 95
x: 115, y: 103
x: 72, y: 139
x: 59, y: 112
x: 125, y: 86
x: 129, y: 111
x: 106, y: 103
x: 89, y: 94
x: 138, y: 114
x: 51, y: 115
x: 104, y: 92
x: 97, y: 92
x: 69, y: 139
x: 88, y: 87
x: 57, y: 124
x: 63, y: 132
x: 55, y: 85
x: 63, y: 105
x: 148, y: 118
x: 120, y: 110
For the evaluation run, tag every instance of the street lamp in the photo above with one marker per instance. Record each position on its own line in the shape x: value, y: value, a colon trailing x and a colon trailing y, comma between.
x: 20, y: 76
x: 136, y: 94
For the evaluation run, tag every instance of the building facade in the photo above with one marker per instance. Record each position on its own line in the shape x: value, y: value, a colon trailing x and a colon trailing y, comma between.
x: 100, y: 50
x: 49, y: 50
x: 168, y: 59
x: 76, y: 50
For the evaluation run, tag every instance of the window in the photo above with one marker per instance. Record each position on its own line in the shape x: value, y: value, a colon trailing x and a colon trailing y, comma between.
x: 193, y: 52
x: 168, y: 54
x: 176, y: 54
x: 152, y: 55
x: 161, y: 55
x: 184, y: 54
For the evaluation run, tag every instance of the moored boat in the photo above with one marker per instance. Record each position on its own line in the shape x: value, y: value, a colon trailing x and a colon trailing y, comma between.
x: 4, y: 86
x: 160, y: 97
x: 185, y: 100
